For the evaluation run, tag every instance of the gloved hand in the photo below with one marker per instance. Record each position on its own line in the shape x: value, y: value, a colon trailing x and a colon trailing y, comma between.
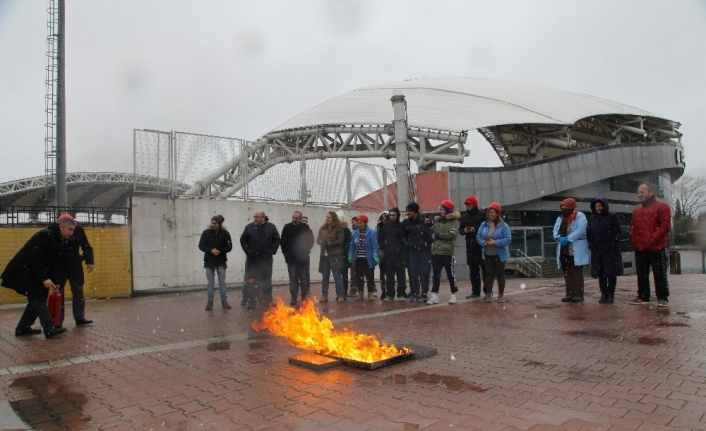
x: 563, y: 240
x: 350, y: 259
x: 436, y: 235
x: 377, y: 259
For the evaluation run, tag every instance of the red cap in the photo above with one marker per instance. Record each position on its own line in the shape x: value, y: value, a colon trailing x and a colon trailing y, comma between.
x: 363, y: 218
x: 569, y: 203
x: 495, y: 206
x: 65, y: 217
x: 471, y: 200
x: 447, y: 204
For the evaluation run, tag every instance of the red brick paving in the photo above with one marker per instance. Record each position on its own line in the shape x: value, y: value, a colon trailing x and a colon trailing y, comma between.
x: 532, y: 363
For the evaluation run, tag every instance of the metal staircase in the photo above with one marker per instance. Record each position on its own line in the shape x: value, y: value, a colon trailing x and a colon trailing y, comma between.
x: 525, y: 264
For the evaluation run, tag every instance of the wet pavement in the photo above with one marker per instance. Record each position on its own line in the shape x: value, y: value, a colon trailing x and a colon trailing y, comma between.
x: 162, y: 362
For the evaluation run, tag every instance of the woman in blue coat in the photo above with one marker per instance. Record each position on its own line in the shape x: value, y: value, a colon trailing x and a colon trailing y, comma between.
x: 494, y: 238
x: 603, y: 235
x: 572, y: 248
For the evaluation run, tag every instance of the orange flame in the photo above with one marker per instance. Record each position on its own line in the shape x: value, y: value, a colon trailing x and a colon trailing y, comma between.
x: 306, y: 329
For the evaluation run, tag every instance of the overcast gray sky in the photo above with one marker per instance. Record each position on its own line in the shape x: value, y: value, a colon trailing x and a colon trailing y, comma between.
x: 239, y: 69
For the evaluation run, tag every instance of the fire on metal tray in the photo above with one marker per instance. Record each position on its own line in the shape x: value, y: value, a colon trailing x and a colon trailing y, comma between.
x: 306, y: 329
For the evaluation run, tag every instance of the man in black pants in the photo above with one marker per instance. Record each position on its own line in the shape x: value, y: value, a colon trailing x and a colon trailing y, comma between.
x: 259, y: 241
x: 28, y: 273
x: 297, y: 242
x: 71, y: 269
x: 393, y: 242
x: 471, y: 220
x: 650, y: 225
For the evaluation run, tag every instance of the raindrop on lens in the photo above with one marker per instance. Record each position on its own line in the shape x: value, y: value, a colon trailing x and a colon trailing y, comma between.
x: 523, y: 286
x: 453, y: 358
x: 535, y: 316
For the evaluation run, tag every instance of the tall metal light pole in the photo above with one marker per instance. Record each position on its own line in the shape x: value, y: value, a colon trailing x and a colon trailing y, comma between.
x: 61, y: 199
x: 399, y: 107
x: 55, y: 125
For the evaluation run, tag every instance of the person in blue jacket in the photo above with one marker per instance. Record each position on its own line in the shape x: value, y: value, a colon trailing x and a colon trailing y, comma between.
x: 494, y: 238
x: 364, y: 252
x: 572, y: 248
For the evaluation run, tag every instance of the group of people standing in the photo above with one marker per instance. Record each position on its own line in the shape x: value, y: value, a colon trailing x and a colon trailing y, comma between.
x: 419, y: 249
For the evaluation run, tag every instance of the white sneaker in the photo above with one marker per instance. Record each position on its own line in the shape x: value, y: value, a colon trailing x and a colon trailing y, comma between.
x: 452, y: 300
x: 433, y: 299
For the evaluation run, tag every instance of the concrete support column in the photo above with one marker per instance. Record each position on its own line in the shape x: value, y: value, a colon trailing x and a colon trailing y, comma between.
x: 399, y: 108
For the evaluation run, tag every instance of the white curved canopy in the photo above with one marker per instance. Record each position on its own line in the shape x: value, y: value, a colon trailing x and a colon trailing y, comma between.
x: 459, y: 104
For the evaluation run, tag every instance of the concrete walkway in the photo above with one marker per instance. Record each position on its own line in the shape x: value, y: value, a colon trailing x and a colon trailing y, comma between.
x: 535, y: 363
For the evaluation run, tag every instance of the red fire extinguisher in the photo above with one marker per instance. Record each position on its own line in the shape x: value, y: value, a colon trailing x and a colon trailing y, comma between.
x: 54, y: 305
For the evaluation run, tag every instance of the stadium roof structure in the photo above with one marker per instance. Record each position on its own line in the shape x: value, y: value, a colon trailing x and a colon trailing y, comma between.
x: 523, y: 123
x: 86, y: 189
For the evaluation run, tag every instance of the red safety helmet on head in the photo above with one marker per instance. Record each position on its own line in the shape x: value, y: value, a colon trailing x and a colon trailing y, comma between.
x: 363, y: 218
x: 471, y: 200
x: 495, y: 206
x: 64, y: 217
x: 447, y: 204
x: 569, y: 203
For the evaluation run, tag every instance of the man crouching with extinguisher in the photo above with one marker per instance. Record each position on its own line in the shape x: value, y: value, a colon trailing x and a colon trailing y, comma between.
x: 28, y: 274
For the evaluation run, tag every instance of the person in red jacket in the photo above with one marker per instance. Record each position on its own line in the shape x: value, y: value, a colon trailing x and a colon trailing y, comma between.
x: 651, y: 221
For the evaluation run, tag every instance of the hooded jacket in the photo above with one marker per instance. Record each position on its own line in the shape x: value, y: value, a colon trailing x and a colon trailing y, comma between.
x: 603, y: 234
x: 501, y: 235
x: 393, y: 239
x: 445, y: 230
x: 577, y: 237
x: 650, y: 225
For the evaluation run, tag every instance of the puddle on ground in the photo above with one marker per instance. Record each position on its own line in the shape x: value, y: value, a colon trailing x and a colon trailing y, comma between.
x: 399, y: 379
x: 409, y: 426
x: 548, y: 306
x: 50, y: 396
x: 597, y: 333
x: 651, y: 341
x: 219, y: 345
x: 449, y: 382
x: 677, y: 324
x: 540, y: 365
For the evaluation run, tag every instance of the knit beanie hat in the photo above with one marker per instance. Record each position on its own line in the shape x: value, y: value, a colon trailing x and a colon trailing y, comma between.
x: 218, y: 219
x: 413, y: 206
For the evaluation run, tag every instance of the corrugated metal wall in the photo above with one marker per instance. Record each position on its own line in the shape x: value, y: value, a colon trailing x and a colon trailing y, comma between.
x: 111, y: 247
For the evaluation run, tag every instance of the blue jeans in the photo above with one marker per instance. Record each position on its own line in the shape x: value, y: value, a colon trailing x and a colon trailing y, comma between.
x: 337, y: 278
x: 221, y: 282
x: 419, y: 270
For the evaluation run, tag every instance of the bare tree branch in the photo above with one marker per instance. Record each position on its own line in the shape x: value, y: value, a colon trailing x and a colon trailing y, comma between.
x: 691, y: 193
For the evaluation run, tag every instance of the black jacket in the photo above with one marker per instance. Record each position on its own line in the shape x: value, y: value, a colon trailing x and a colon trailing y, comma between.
x: 472, y: 218
x: 260, y: 242
x: 220, y: 240
x: 417, y: 233
x: 394, y: 239
x: 34, y: 263
x: 73, y: 252
x: 297, y: 242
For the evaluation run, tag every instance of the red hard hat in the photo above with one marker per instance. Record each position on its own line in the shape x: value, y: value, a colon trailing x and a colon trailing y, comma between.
x: 65, y: 217
x: 471, y: 200
x: 495, y: 206
x: 447, y: 204
x: 363, y: 218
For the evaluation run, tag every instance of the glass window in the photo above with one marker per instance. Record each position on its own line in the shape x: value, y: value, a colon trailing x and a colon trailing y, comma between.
x: 534, y: 242
x: 518, y: 240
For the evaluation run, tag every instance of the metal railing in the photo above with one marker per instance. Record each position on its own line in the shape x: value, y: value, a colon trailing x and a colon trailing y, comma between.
x: 530, y: 267
x: 40, y: 216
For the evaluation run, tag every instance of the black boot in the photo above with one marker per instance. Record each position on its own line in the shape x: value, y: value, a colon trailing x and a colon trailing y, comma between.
x: 603, y: 298
x: 609, y: 299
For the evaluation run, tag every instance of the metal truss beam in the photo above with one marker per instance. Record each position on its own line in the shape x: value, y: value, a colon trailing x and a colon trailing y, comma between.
x: 324, y: 143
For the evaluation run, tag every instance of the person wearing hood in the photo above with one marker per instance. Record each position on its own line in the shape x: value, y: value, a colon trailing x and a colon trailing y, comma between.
x: 572, y: 248
x: 443, y: 235
x: 260, y: 241
x: 649, y: 227
x: 296, y: 244
x: 471, y: 219
x: 494, y: 238
x: 394, y: 246
x: 215, y: 243
x: 603, y: 235
x: 29, y: 274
